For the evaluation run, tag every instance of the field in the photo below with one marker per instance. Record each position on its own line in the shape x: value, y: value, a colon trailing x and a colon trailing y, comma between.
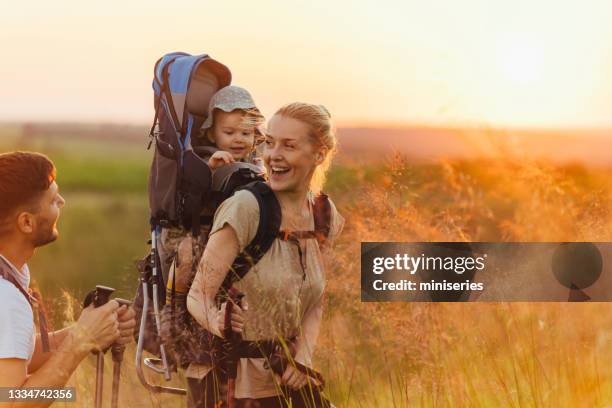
x: 385, y: 354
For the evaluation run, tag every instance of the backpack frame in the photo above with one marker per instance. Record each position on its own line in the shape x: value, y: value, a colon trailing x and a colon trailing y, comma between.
x: 183, y: 85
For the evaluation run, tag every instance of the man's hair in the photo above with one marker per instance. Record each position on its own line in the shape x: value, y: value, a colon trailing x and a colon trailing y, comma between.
x: 24, y: 177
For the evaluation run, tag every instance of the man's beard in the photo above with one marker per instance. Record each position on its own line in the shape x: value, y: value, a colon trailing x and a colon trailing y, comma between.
x: 46, y: 234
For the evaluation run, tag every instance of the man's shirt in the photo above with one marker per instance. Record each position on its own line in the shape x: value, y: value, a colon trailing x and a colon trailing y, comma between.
x: 17, y: 332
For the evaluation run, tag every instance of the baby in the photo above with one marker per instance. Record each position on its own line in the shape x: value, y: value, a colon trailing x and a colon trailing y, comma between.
x: 232, y: 126
x: 229, y: 134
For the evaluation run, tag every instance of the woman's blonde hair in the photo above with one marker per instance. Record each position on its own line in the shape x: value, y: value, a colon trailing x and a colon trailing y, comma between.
x: 322, y: 134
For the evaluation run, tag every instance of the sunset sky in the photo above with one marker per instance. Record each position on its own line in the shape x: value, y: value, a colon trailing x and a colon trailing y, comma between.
x: 483, y: 62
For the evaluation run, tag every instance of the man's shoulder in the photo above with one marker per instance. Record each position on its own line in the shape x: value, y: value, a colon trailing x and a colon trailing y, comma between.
x: 16, y: 323
x: 11, y: 299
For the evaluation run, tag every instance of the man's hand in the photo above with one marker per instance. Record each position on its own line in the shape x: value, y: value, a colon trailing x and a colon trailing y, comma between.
x: 220, y: 158
x: 127, y: 322
x: 97, y: 328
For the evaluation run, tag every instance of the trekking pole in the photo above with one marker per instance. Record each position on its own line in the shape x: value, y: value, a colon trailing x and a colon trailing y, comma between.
x: 117, y: 351
x: 99, y: 297
x: 232, y: 340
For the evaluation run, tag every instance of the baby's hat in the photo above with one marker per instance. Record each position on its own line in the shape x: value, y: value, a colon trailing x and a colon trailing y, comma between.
x: 228, y: 99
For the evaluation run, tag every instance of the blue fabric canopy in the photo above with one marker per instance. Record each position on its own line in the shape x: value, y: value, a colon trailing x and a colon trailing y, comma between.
x: 184, y: 98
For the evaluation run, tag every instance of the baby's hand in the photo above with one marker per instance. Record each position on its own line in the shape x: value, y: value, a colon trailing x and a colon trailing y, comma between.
x: 220, y: 158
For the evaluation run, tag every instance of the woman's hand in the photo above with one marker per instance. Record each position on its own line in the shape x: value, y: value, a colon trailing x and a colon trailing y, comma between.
x: 304, y: 348
x: 220, y: 158
x: 294, y: 378
x: 238, y: 317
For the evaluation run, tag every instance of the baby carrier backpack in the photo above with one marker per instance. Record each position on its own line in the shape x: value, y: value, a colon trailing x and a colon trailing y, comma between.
x: 179, y: 179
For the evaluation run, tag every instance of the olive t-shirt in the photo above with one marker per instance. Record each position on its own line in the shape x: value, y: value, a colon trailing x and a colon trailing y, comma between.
x: 278, y: 290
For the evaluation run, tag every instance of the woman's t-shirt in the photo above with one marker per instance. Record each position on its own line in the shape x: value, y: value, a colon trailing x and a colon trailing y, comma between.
x: 278, y: 290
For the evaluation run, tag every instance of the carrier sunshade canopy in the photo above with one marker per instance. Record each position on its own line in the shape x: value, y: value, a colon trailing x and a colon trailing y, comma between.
x: 186, y: 83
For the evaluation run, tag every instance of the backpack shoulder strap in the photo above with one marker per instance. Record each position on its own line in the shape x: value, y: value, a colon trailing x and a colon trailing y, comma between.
x: 322, y: 217
x: 267, y: 230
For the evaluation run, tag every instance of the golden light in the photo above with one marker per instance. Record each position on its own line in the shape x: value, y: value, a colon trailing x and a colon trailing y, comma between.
x: 520, y: 58
x: 539, y: 63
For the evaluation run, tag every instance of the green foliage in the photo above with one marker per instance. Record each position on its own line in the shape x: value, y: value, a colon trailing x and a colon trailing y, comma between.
x: 93, y: 165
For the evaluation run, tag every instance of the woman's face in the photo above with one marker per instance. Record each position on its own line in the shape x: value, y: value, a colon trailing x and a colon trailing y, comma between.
x: 289, y: 154
x: 230, y: 134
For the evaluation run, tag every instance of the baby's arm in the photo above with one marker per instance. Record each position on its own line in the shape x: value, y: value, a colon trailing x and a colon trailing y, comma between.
x: 220, y: 158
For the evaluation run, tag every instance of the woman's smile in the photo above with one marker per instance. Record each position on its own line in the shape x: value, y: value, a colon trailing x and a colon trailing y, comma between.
x: 279, y: 173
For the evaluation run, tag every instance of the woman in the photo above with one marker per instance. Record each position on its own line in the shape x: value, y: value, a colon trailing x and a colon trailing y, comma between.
x: 283, y: 291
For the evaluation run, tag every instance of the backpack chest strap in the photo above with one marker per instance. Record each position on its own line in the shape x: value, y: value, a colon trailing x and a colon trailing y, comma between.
x: 284, y: 235
x: 322, y: 219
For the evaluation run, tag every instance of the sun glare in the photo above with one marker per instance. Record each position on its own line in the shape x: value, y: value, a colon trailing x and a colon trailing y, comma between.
x: 520, y: 58
x: 494, y: 62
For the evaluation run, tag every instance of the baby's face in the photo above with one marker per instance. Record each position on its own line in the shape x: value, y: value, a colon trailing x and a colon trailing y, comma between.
x: 230, y: 134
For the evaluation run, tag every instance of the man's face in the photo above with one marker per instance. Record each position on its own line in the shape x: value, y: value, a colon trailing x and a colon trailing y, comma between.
x: 44, y: 228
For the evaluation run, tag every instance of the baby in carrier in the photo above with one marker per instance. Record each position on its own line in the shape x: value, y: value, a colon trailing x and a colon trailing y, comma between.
x: 227, y: 143
x: 229, y: 135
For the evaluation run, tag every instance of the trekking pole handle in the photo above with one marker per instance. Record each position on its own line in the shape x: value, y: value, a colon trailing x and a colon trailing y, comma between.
x: 234, y: 298
x: 123, y: 302
x: 99, y: 296
x: 118, y: 349
x: 232, y: 339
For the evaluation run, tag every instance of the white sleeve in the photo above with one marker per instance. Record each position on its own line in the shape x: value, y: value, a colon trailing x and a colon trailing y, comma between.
x: 17, y: 331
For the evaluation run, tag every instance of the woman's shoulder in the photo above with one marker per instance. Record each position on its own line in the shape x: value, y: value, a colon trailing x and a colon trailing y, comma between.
x: 241, y: 212
x: 242, y: 204
x: 243, y: 198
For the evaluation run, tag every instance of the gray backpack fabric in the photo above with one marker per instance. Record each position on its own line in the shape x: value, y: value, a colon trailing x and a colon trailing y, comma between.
x: 183, y: 85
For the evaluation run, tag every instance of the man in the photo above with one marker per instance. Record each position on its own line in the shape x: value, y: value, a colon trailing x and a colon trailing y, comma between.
x: 30, y: 205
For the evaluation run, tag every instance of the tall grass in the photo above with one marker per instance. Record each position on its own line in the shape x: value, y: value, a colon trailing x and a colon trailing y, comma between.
x: 390, y: 354
x: 476, y: 355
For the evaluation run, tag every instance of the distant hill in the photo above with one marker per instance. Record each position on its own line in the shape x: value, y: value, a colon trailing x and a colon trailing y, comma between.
x: 98, y: 132
x: 589, y: 147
